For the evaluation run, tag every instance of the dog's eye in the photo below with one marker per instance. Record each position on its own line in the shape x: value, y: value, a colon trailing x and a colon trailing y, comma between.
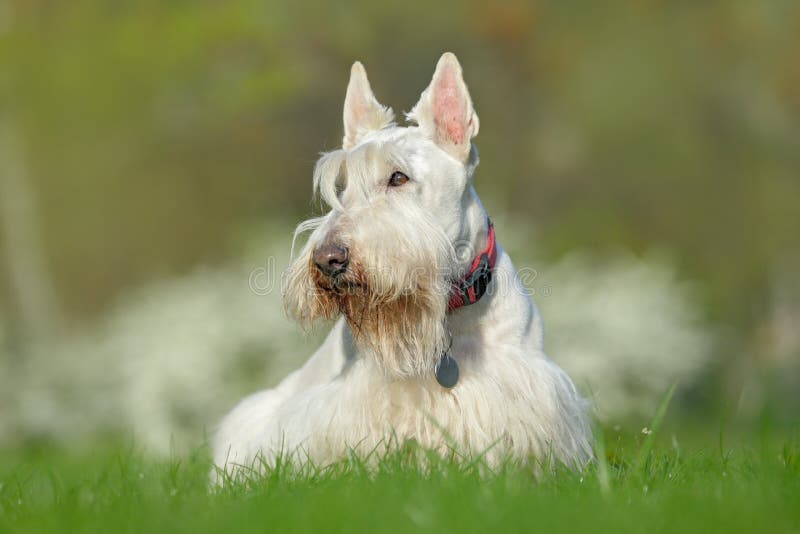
x: 397, y: 179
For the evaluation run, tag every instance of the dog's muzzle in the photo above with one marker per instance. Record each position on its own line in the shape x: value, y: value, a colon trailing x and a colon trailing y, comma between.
x: 331, y: 259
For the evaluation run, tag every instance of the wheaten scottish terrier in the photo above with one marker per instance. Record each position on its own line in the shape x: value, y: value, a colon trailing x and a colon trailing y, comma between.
x: 436, y: 341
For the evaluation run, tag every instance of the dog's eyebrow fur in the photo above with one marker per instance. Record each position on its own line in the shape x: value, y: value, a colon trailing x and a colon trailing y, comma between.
x: 327, y: 175
x: 358, y: 167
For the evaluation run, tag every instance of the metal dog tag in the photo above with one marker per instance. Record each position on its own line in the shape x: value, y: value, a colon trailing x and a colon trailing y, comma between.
x: 446, y: 371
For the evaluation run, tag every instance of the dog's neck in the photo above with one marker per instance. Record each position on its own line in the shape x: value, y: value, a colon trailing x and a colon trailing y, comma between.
x: 489, y: 292
x: 506, y: 304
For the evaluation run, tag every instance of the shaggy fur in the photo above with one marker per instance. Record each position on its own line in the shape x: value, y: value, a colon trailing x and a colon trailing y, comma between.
x: 371, y: 384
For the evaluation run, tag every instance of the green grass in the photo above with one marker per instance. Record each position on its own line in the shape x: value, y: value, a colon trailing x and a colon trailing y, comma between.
x: 638, y: 485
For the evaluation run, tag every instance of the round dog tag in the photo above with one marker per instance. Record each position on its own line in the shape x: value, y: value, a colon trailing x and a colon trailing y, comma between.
x: 446, y: 371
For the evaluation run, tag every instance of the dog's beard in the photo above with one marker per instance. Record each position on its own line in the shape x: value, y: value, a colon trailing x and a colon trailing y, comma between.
x: 401, y: 324
x: 395, y: 310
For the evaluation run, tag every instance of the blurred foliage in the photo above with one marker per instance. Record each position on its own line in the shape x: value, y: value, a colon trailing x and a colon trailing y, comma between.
x: 154, y: 131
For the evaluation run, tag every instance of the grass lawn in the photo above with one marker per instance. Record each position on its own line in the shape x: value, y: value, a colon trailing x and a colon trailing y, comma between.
x: 639, y: 485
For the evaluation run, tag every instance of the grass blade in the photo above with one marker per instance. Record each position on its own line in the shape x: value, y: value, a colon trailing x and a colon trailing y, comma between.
x: 655, y: 424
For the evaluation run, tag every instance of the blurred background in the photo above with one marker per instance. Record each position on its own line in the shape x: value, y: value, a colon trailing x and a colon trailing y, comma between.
x: 641, y: 159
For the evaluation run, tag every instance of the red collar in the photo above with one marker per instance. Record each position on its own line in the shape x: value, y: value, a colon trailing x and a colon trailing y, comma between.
x: 472, y: 287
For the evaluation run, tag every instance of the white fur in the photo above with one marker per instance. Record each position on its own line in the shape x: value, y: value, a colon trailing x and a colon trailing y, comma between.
x: 371, y: 384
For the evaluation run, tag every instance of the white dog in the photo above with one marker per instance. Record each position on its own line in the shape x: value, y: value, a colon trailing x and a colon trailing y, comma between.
x: 438, y: 341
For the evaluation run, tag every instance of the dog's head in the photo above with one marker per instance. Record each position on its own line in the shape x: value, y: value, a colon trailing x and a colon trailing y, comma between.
x: 402, y: 223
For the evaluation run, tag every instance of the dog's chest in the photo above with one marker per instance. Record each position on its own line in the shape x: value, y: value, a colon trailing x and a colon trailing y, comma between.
x: 369, y: 410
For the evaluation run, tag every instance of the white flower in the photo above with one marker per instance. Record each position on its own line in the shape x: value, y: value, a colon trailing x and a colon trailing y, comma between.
x: 625, y: 329
x: 165, y: 363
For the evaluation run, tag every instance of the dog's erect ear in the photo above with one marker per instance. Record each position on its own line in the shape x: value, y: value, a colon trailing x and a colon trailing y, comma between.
x: 444, y: 111
x: 362, y: 112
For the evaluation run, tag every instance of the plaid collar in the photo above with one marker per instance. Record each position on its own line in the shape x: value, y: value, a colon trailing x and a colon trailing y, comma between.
x: 472, y: 287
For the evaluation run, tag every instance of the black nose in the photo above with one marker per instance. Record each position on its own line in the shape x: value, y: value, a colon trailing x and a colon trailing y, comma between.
x: 330, y: 259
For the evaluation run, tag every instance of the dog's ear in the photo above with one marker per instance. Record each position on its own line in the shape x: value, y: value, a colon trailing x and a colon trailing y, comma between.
x: 444, y: 111
x: 362, y: 112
